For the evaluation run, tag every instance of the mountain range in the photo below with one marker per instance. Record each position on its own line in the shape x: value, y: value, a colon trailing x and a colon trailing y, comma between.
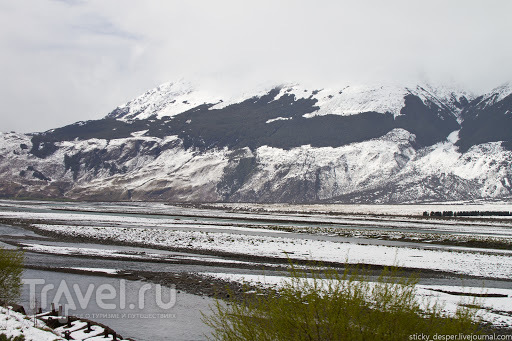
x: 286, y: 143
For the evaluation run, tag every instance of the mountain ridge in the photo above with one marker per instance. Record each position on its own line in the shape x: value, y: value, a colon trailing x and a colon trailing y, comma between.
x: 380, y: 144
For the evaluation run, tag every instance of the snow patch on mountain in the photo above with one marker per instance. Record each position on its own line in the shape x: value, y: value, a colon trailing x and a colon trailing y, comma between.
x: 235, y: 98
x: 279, y: 119
x: 351, y: 100
x: 168, y: 99
x: 494, y: 96
x: 356, y: 99
x: 451, y: 98
x: 499, y: 93
x: 335, y: 171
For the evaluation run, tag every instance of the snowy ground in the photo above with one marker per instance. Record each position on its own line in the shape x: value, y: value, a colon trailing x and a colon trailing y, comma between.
x: 269, y: 235
x: 14, y: 324
x: 233, y: 236
x: 464, y: 263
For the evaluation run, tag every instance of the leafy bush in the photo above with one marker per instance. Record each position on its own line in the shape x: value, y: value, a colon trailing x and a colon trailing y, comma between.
x: 4, y: 337
x: 329, y: 306
x: 11, y: 269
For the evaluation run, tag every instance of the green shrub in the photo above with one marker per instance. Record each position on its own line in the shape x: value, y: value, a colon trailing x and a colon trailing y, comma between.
x: 329, y: 306
x: 11, y: 269
x: 4, y: 337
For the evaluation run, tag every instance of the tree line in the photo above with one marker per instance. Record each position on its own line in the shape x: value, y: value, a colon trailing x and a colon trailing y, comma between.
x: 466, y: 213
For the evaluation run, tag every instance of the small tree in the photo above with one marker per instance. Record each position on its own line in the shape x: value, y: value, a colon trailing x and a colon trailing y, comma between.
x: 11, y: 269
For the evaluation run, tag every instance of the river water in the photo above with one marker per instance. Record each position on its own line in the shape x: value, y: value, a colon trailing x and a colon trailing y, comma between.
x: 152, y: 322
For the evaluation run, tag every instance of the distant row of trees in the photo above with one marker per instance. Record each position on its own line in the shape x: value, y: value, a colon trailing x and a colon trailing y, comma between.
x: 466, y: 213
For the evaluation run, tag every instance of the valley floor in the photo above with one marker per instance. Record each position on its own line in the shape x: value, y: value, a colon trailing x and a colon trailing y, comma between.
x: 202, y: 247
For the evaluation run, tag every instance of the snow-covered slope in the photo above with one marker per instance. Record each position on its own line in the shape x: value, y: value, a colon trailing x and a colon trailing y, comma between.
x: 498, y: 94
x: 168, y: 99
x: 173, y: 98
x: 287, y: 143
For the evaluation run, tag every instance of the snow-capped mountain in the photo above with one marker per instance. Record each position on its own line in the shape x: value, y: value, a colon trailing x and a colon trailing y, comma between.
x: 287, y: 143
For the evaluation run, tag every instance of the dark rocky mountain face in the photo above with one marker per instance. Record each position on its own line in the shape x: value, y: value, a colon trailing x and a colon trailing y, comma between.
x: 244, y: 125
x: 274, y: 147
x: 487, y: 121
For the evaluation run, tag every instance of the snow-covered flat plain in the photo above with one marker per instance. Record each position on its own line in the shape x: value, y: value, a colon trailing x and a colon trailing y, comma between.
x: 353, y: 215
x: 119, y: 254
x: 237, y: 240
x: 267, y: 234
x: 464, y: 263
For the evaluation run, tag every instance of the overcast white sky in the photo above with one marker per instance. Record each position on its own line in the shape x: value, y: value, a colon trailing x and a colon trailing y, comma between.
x: 67, y: 60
